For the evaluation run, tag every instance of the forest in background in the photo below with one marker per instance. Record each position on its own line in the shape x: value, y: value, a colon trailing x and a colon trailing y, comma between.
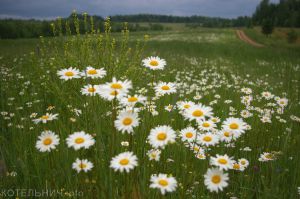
x: 286, y: 13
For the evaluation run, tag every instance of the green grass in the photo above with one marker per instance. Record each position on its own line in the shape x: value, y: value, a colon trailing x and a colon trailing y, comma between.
x: 215, y: 55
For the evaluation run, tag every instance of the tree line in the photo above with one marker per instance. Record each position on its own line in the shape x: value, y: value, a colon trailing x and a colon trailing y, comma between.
x: 285, y: 14
x: 16, y: 28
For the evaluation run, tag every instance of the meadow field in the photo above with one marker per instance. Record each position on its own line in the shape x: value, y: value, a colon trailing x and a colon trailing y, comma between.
x: 216, y: 118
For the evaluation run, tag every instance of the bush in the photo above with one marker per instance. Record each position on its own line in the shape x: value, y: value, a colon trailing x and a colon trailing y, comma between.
x: 292, y: 36
x: 267, y: 27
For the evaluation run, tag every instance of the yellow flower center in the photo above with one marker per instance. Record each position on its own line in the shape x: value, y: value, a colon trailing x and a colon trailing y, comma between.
x: 154, y: 63
x: 214, y: 120
x: 165, y: 87
x: 82, y: 165
x: 207, y: 138
x: 200, y: 156
x: 234, y: 126
x: 206, y: 124
x: 163, y: 182
x: 236, y: 166
x: 226, y: 134
x: 91, y: 89
x: 161, y: 136
x: 114, y: 93
x: 47, y: 141
x: 124, y: 161
x: 197, y: 113
x: 116, y: 86
x: 92, y: 72
x: 189, y: 134
x: 45, y: 117
x: 216, y: 179
x: 269, y: 156
x: 79, y: 140
x: 222, y: 161
x: 243, y: 162
x: 132, y: 99
x: 69, y: 74
x: 187, y: 106
x: 127, y: 121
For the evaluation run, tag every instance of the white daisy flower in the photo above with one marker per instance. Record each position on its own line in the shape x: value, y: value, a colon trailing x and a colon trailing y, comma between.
x: 154, y: 63
x: 224, y: 162
x: 267, y: 95
x: 206, y: 125
x: 235, y: 125
x: 196, y: 148
x: 115, y: 89
x: 201, y: 156
x: 198, y: 112
x: 68, y: 73
x: 164, y: 88
x: 208, y: 139
x: 80, y: 140
x: 126, y: 121
x: 160, y: 136
x: 264, y: 157
x: 45, y: 118
x: 47, y: 141
x: 237, y: 166
x: 226, y: 136
x: 243, y: 162
x: 94, y: 73
x: 188, y: 134
x: 154, y: 154
x: 282, y: 102
x: 125, y: 161
x: 90, y: 90
x: 132, y: 100
x: 82, y: 165
x: 183, y: 105
x: 215, y: 180
x: 163, y: 182
x: 109, y: 93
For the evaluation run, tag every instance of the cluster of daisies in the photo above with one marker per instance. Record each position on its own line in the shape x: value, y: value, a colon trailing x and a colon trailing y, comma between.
x: 203, y: 132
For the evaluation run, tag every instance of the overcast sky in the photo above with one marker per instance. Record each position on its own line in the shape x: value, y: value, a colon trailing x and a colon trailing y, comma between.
x: 47, y: 9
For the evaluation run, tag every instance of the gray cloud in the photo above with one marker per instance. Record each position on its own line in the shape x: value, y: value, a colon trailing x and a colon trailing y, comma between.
x: 45, y: 9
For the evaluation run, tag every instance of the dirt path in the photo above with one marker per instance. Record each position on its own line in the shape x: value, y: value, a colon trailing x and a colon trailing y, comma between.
x: 242, y: 36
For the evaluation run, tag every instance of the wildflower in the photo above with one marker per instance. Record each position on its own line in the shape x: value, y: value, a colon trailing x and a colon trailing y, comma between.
x: 224, y: 162
x: 208, y: 139
x: 215, y: 180
x: 164, y: 88
x: 154, y: 154
x: 125, y: 161
x: 235, y: 125
x: 198, y: 112
x: 126, y: 121
x: 45, y: 118
x: 188, y: 134
x: 154, y: 63
x: 94, y: 73
x: 206, y: 125
x: 160, y: 136
x: 82, y: 165
x: 132, y: 100
x: 47, y: 141
x: 67, y: 74
x: 90, y: 90
x: 163, y: 182
x: 80, y: 140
